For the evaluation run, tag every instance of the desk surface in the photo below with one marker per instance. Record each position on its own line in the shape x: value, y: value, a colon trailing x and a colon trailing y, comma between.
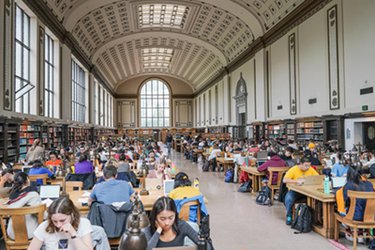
x: 314, y: 191
x: 252, y: 170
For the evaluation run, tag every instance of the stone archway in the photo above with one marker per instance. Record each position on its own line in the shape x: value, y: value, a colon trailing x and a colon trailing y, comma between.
x: 241, y: 107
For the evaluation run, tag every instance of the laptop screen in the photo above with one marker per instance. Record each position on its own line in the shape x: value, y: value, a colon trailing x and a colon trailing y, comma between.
x: 168, y: 186
x: 338, y: 182
x: 49, y: 191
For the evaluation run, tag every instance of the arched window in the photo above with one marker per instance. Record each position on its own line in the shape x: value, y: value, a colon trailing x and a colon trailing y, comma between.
x: 155, y: 110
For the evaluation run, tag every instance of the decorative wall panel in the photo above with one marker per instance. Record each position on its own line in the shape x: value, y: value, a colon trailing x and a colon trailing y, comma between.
x: 292, y: 74
x: 183, y: 113
x: 333, y: 56
x: 126, y: 114
x: 8, y: 57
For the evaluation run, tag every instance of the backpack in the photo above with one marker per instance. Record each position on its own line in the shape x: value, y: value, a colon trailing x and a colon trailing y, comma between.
x: 372, y: 244
x: 283, y: 190
x: 264, y: 196
x: 303, y: 219
x: 245, y: 187
x: 206, y: 166
x: 229, y: 174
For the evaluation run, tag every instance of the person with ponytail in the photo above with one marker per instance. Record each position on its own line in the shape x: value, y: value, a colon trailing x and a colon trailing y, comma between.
x: 183, y: 188
x: 22, y: 195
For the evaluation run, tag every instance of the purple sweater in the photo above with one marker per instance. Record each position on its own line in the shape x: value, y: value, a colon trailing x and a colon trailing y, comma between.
x: 275, y: 161
x: 84, y: 167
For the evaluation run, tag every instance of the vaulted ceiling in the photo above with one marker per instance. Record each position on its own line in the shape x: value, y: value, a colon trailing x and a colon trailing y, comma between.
x: 190, y: 40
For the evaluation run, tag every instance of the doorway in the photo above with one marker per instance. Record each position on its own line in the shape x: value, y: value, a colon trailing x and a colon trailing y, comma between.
x: 369, y: 135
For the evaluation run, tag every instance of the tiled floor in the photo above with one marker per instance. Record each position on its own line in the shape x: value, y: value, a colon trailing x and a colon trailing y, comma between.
x: 238, y: 223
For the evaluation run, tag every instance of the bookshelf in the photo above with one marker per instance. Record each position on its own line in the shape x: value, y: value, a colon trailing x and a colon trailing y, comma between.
x: 290, y: 130
x: 55, y: 137
x: 9, y: 143
x: 276, y: 130
x: 307, y: 130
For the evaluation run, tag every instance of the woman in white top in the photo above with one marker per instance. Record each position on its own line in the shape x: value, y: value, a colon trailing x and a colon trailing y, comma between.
x: 22, y: 195
x: 64, y: 228
x: 36, y: 152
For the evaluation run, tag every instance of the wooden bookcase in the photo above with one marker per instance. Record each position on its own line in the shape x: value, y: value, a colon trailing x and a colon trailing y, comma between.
x: 310, y: 129
x: 9, y: 140
x: 276, y: 129
x: 28, y: 132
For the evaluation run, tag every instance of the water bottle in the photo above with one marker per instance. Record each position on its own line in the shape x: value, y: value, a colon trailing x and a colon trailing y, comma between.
x: 196, y: 183
x: 327, y: 188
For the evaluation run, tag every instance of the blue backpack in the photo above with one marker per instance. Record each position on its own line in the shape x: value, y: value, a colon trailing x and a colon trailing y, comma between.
x: 229, y: 174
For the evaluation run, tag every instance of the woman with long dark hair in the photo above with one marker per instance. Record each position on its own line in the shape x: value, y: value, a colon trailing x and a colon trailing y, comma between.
x: 22, y: 195
x: 64, y: 228
x: 166, y: 229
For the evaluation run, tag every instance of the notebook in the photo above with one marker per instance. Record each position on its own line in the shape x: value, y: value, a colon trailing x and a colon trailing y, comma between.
x: 338, y: 182
x: 314, y: 180
x: 168, y: 186
x: 153, y: 183
x: 49, y: 192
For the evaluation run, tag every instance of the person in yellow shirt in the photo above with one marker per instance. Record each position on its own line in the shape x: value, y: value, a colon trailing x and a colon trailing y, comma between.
x: 183, y: 188
x: 296, y: 175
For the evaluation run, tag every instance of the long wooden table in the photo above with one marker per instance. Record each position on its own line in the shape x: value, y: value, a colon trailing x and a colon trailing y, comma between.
x: 147, y: 200
x: 227, y: 163
x: 315, y: 193
x: 255, y: 176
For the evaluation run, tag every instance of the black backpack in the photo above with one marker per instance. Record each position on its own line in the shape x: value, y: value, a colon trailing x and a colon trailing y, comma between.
x: 206, y: 166
x: 303, y: 219
x: 264, y: 197
x: 245, y: 187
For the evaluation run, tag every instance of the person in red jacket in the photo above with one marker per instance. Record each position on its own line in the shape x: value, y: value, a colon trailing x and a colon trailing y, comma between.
x: 273, y: 161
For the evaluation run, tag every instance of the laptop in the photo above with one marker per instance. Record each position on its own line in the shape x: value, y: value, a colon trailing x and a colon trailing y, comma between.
x: 338, y: 182
x: 177, y: 248
x: 153, y: 183
x: 168, y: 186
x: 314, y: 180
x: 51, y: 192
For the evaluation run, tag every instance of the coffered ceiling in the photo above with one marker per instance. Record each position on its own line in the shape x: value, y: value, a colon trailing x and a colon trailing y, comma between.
x: 190, y: 40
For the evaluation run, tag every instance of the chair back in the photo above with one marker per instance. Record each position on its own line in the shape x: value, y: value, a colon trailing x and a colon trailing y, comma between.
x: 276, y: 170
x: 185, y: 211
x: 19, y: 224
x: 36, y: 177
x: 72, y: 185
x: 369, y: 215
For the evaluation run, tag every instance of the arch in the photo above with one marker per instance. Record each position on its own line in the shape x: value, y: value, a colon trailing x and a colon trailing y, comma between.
x: 241, y: 106
x: 154, y: 103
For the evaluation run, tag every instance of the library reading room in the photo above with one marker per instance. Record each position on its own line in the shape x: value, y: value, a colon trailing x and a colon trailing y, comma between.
x: 187, y: 124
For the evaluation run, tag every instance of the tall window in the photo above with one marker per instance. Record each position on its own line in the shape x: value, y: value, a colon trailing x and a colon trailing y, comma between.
x: 155, y: 110
x: 78, y: 93
x: 49, y: 76
x: 23, y: 84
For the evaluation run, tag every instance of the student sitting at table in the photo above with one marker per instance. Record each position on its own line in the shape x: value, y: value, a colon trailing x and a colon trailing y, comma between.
x: 183, y: 188
x: 273, y: 161
x: 287, y: 156
x: 166, y: 229
x: 83, y: 166
x: 22, y: 195
x: 123, y: 164
x: 296, y: 175
x: 53, y: 161
x: 64, y: 228
x: 111, y: 190
x: 7, y: 177
x: 160, y: 172
x: 339, y: 169
x: 38, y: 168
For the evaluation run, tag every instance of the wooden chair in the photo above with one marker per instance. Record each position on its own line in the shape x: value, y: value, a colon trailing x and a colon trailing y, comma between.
x: 185, y: 211
x: 273, y: 170
x: 71, y: 185
x: 114, y: 242
x: 35, y: 177
x: 368, y: 218
x: 19, y: 224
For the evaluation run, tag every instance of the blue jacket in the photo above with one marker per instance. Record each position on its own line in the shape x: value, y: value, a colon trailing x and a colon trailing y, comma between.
x: 193, y: 210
